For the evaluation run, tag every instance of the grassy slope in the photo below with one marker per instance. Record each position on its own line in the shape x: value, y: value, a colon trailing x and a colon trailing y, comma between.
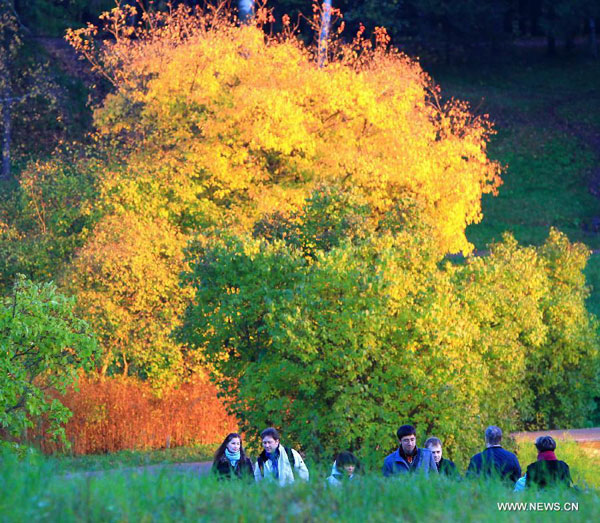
x: 548, y: 120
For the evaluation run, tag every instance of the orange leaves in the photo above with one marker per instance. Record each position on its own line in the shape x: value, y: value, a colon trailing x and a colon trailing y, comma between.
x: 112, y: 414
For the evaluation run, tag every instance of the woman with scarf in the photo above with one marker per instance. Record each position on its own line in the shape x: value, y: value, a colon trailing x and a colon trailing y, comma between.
x: 547, y: 471
x: 231, y: 460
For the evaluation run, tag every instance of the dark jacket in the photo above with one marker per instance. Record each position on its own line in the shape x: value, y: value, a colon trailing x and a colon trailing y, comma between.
x: 548, y: 473
x: 224, y: 470
x: 495, y: 460
x: 396, y: 464
x: 448, y: 468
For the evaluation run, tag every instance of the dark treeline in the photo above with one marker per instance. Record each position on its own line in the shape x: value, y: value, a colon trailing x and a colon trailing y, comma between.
x: 458, y: 30
x: 451, y: 30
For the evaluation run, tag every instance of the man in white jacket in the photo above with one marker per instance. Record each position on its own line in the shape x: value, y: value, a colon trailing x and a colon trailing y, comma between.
x: 277, y: 462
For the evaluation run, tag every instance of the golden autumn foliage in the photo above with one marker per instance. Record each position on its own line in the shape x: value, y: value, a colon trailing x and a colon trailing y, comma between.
x: 221, y: 119
x: 213, y: 123
x: 112, y: 414
x: 126, y: 279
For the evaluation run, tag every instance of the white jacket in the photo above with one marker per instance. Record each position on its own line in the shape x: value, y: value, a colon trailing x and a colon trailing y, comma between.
x: 336, y: 476
x: 286, y: 475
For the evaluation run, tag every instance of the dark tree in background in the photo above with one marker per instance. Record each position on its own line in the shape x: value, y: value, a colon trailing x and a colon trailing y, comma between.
x: 24, y: 81
x: 450, y: 30
x: 465, y: 28
x: 53, y: 17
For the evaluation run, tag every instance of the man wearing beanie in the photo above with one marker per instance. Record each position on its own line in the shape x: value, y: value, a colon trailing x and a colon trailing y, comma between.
x: 408, y: 457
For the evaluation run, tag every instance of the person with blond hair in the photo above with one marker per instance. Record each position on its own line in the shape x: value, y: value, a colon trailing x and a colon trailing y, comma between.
x: 444, y: 465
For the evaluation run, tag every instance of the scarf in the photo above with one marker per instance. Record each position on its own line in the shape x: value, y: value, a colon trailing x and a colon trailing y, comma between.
x: 409, y: 458
x: 233, y: 457
x: 547, y: 455
x: 273, y: 458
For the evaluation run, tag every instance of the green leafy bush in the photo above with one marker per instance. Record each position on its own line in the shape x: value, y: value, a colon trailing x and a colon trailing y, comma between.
x: 339, y: 345
x: 43, y: 345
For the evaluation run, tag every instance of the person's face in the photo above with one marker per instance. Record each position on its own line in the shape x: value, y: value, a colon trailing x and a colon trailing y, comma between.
x: 408, y: 443
x: 436, y: 450
x: 270, y: 444
x: 234, y: 445
x: 349, y: 469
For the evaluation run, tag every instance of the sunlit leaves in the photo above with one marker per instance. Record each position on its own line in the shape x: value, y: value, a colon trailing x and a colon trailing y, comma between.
x: 364, y: 333
x: 249, y: 122
x: 42, y: 345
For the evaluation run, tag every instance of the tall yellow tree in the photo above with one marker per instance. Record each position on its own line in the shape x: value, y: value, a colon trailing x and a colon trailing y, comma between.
x: 219, y: 124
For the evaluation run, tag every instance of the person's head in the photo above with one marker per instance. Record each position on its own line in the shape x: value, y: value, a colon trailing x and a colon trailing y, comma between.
x: 545, y: 443
x: 435, y: 446
x: 270, y: 439
x: 407, y: 437
x: 347, y: 462
x: 233, y: 443
x: 493, y: 436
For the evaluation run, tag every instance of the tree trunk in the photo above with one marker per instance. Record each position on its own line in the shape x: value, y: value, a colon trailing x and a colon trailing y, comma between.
x: 105, y: 363
x: 593, y: 39
x: 6, y: 117
x: 125, y: 366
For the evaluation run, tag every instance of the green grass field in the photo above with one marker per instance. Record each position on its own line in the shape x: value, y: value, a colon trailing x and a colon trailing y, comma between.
x: 547, y: 118
x: 36, y: 489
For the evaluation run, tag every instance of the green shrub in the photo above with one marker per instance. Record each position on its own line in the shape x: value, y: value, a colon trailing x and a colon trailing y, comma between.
x: 43, y: 346
x: 341, y: 344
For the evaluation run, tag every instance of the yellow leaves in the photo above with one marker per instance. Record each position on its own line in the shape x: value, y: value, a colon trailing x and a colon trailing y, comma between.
x: 262, y: 119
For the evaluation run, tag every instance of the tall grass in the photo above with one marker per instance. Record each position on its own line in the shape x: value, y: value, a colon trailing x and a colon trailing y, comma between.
x: 35, y: 490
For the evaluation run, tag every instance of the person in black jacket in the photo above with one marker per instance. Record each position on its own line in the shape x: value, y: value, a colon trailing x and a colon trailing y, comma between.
x: 547, y: 471
x: 494, y: 460
x: 445, y: 466
x: 231, y: 460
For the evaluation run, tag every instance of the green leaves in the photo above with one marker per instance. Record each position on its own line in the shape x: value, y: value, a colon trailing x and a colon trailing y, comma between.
x: 42, y: 347
x: 339, y: 343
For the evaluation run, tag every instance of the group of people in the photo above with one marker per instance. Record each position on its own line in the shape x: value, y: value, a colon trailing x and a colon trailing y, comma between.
x: 285, y: 465
x: 282, y: 464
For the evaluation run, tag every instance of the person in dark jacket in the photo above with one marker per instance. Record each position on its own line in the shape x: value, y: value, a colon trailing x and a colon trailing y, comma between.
x: 547, y: 471
x: 444, y: 466
x: 408, y: 457
x: 495, y: 460
x: 231, y: 460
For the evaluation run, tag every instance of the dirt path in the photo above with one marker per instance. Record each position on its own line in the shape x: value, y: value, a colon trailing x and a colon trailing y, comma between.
x: 578, y: 435
x: 200, y: 468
